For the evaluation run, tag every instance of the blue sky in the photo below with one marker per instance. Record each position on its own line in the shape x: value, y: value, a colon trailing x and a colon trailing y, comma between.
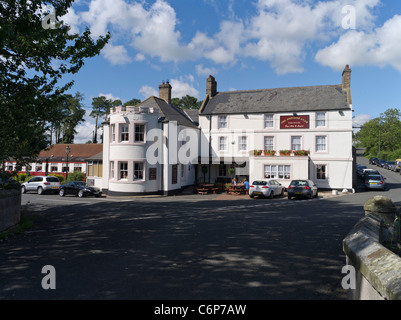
x: 245, y: 44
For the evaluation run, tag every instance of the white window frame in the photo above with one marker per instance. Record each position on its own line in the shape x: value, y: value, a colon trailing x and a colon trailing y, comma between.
x: 320, y: 121
x: 319, y: 144
x: 281, y: 172
x: 223, y: 144
x: 142, y: 133
x: 113, y: 133
x: 268, y: 121
x: 296, y: 144
x: 222, y: 122
x: 122, y: 170
x: 124, y: 125
x: 268, y: 146
x: 112, y: 173
x: 141, y: 171
x: 242, y: 143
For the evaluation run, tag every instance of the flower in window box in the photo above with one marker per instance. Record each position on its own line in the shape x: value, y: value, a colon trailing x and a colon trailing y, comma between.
x: 257, y: 152
x: 269, y: 152
x: 301, y: 152
x: 285, y: 152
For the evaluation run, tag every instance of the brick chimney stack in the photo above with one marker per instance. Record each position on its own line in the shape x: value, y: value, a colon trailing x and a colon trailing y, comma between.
x: 165, y: 92
x: 346, y: 85
x: 211, y: 86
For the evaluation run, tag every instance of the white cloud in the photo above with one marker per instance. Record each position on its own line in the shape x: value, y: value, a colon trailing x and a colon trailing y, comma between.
x: 201, y: 71
x: 380, y: 47
x: 148, y: 91
x: 280, y: 32
x: 117, y: 55
x: 72, y: 19
x: 360, y: 120
x: 109, y: 96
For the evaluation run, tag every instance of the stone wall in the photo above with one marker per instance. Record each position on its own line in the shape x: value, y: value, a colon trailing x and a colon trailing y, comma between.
x: 10, y: 209
x: 378, y: 275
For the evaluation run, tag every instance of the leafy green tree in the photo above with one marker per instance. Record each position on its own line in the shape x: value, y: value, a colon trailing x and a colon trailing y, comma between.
x: 33, y: 60
x: 187, y: 102
x: 100, y: 107
x: 380, y: 136
x: 132, y: 102
x: 74, y: 115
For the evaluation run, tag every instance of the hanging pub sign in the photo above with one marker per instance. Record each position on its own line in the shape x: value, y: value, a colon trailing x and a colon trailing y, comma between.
x: 294, y: 122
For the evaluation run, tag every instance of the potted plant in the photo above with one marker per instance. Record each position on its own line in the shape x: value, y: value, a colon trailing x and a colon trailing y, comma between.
x: 269, y: 152
x: 301, y: 152
x: 257, y: 152
x: 285, y: 152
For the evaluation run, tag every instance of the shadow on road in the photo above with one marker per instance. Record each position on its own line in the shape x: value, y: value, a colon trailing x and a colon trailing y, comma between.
x: 181, y: 250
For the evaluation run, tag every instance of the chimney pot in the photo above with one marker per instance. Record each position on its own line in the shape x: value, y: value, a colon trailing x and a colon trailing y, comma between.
x: 211, y: 86
x: 165, y: 92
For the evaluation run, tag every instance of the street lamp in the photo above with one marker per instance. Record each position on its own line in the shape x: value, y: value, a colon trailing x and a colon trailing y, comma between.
x: 67, y: 151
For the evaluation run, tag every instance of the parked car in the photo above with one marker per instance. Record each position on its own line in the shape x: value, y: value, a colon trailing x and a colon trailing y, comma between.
x: 302, y: 189
x: 41, y: 184
x: 374, y: 181
x: 381, y: 163
x: 78, y: 188
x: 388, y: 165
x: 373, y: 160
x: 266, y: 188
x: 369, y: 171
x: 359, y: 170
x: 397, y: 165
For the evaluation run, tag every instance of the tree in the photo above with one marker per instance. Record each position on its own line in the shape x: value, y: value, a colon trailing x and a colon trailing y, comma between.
x: 187, y: 102
x: 32, y: 63
x: 74, y: 115
x: 132, y: 102
x: 380, y: 136
x: 100, y: 107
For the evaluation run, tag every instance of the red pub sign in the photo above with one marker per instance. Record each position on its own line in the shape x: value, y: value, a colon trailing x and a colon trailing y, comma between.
x: 294, y: 122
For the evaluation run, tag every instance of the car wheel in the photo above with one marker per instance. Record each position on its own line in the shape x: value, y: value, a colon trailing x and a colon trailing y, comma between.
x: 251, y: 196
x: 23, y: 189
x: 271, y: 195
x: 61, y: 192
x: 289, y: 197
x: 317, y: 194
x: 80, y: 193
x: 282, y: 192
x: 40, y: 190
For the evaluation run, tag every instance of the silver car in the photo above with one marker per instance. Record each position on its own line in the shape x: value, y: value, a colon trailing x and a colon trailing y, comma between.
x: 374, y: 181
x: 266, y: 188
x: 41, y: 184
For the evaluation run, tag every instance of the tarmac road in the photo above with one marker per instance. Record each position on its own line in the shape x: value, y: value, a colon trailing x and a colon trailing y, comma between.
x: 184, y: 247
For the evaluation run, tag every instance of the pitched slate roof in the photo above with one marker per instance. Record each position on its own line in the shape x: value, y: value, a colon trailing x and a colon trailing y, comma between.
x: 169, y: 111
x: 296, y: 99
x: 78, y: 152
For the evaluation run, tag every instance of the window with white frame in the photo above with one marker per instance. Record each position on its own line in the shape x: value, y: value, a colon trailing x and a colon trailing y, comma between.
x: 124, y: 132
x: 113, y: 133
x: 269, y: 121
x: 269, y: 143
x: 242, y: 143
x: 111, y: 169
x: 321, y: 143
x: 139, y: 133
x: 138, y: 170
x: 320, y: 119
x: 296, y: 143
x: 123, y: 170
x: 277, y: 172
x: 222, y: 122
x: 222, y: 143
x: 321, y: 172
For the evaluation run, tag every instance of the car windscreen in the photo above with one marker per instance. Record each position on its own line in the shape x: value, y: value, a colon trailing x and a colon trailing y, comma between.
x: 300, y: 183
x: 259, y: 183
x: 80, y: 184
x: 376, y: 178
x: 52, y: 179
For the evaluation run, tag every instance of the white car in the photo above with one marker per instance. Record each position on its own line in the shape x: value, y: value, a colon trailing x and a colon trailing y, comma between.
x: 41, y: 184
x: 267, y: 188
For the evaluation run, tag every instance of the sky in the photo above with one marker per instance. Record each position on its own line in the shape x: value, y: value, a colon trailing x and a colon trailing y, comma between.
x: 245, y: 45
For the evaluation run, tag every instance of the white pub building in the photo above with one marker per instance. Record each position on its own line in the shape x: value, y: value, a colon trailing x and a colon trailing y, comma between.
x: 282, y: 134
